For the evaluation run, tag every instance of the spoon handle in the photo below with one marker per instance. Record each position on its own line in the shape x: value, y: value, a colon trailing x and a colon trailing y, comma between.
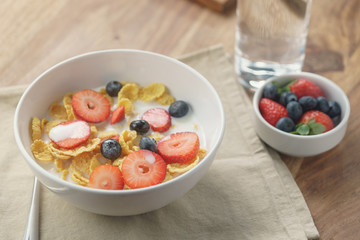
x: 32, y: 226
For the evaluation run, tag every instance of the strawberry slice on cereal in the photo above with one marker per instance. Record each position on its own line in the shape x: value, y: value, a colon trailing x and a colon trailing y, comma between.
x: 118, y: 115
x: 106, y: 177
x: 91, y: 106
x: 181, y: 147
x: 158, y: 118
x: 143, y: 168
x: 70, y: 134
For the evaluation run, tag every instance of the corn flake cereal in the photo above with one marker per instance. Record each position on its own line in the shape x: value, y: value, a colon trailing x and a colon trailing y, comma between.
x: 129, y: 91
x: 82, y: 162
x: 78, y: 177
x: 128, y: 105
x: 152, y: 92
x: 41, y: 151
x: 165, y: 99
x: 177, y: 168
x: 67, y: 101
x: 36, y: 131
x: 88, y: 147
x: 58, y: 111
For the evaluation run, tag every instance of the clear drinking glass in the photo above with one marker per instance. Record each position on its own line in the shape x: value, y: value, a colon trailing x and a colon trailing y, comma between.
x: 270, y: 38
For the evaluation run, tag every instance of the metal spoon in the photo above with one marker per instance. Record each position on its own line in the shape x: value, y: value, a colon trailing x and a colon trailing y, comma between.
x: 32, y: 226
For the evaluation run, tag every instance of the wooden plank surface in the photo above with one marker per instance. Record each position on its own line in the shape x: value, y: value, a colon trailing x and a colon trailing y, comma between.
x: 37, y: 34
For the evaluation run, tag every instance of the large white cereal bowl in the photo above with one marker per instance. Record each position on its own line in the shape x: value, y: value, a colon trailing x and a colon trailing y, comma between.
x: 296, y: 145
x: 93, y: 70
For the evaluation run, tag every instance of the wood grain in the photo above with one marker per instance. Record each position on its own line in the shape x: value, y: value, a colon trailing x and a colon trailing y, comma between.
x: 37, y: 34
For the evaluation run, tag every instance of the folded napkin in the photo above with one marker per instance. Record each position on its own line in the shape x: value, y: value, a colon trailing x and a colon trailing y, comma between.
x: 248, y: 192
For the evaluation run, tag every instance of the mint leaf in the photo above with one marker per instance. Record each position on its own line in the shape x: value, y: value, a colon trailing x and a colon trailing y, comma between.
x: 316, y: 128
x: 303, y: 129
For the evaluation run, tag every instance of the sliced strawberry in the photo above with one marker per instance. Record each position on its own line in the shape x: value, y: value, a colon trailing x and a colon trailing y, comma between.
x: 143, y: 168
x: 158, y: 118
x: 91, y: 106
x: 181, y: 147
x: 118, y: 115
x: 304, y: 87
x: 107, y: 177
x: 319, y: 117
x: 70, y: 134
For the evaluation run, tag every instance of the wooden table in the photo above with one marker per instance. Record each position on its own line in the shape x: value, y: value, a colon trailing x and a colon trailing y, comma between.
x: 36, y: 34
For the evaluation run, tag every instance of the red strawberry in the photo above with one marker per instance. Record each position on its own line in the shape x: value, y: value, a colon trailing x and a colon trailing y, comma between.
x: 70, y: 134
x: 319, y: 117
x: 107, y: 177
x: 181, y: 147
x: 91, y: 106
x: 272, y: 111
x: 118, y: 115
x: 143, y: 168
x: 304, y: 87
x: 158, y: 118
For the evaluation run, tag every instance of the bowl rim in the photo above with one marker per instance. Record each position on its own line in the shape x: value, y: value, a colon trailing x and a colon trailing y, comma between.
x: 343, y: 122
x: 29, y: 159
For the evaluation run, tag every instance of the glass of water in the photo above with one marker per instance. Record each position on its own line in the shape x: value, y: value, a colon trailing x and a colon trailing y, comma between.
x: 270, y: 39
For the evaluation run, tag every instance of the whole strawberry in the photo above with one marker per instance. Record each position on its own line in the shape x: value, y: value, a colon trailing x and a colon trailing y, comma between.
x: 314, y: 122
x: 303, y: 87
x: 272, y: 111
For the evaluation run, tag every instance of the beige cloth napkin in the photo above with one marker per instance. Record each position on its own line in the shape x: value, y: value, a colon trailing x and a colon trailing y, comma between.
x: 248, y: 192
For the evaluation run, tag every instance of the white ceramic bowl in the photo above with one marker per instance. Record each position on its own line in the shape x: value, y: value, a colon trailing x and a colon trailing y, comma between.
x: 92, y: 70
x: 296, y: 145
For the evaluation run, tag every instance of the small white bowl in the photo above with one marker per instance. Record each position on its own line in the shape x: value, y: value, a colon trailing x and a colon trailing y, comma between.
x: 92, y: 70
x: 296, y: 145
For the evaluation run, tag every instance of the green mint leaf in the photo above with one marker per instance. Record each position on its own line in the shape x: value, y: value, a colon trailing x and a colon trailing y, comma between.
x: 303, y: 129
x: 317, y: 128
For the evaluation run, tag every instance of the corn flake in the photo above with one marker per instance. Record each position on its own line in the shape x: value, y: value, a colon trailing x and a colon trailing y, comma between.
x: 128, y: 105
x: 88, y: 147
x: 36, y: 132
x: 77, y: 176
x: 58, y: 111
x: 67, y: 101
x: 177, y: 168
x: 41, y: 151
x: 165, y: 99
x: 82, y: 162
x: 152, y: 92
x: 129, y: 91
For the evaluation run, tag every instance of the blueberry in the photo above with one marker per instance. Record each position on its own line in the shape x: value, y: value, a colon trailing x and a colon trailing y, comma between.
x: 287, y: 97
x: 178, y: 109
x: 294, y: 110
x: 334, y: 109
x: 323, y: 104
x: 336, y: 120
x: 110, y: 149
x: 148, y: 143
x: 285, y: 124
x: 112, y: 88
x: 140, y: 126
x: 271, y: 91
x: 308, y: 103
